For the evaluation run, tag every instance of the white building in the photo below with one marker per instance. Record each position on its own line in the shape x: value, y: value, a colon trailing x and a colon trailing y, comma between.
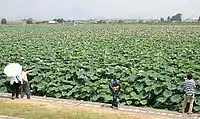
x: 52, y: 22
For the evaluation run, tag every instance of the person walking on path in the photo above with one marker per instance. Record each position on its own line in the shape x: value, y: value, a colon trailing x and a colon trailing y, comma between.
x: 13, y: 72
x: 15, y: 83
x: 114, y: 89
x: 25, y: 85
x: 189, y: 88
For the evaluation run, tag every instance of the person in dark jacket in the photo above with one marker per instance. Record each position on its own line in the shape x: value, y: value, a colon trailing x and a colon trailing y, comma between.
x: 15, y: 85
x: 115, y: 89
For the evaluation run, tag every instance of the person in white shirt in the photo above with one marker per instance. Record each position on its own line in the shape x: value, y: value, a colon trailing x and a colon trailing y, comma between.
x: 25, y: 85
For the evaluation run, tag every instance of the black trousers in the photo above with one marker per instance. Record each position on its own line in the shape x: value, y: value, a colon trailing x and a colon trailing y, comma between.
x: 15, y: 89
x: 26, y: 89
x: 114, y: 102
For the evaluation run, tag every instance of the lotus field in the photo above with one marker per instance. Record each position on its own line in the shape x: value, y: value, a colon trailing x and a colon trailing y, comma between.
x: 78, y: 62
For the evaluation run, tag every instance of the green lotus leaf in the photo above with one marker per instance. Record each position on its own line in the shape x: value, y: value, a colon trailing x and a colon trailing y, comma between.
x: 167, y: 93
x: 196, y: 108
x: 128, y: 102
x: 176, y: 98
x: 161, y: 99
x: 197, y: 101
x: 143, y: 102
x: 134, y: 96
x: 157, y: 90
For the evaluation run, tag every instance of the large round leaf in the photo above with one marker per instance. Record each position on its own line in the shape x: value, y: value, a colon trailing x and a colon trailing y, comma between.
x: 141, y: 73
x: 95, y: 98
x: 126, y: 97
x: 175, y: 98
x: 139, y: 87
x: 143, y: 102
x: 137, y: 102
x: 196, y: 108
x: 197, y: 91
x: 197, y: 101
x: 107, y: 98
x: 129, y: 89
x: 143, y: 94
x: 171, y: 86
x: 128, y: 102
x: 58, y: 95
x: 167, y: 93
x: 161, y: 99
x: 148, y: 82
x: 3, y: 89
x: 149, y: 88
x: 134, y: 96
x: 157, y: 90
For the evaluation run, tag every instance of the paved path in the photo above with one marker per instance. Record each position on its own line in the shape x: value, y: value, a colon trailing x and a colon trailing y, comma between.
x: 6, y: 117
x: 127, y: 109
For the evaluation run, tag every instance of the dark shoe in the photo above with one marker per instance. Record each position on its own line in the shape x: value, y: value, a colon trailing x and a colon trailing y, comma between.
x: 28, y: 97
x: 116, y: 108
x: 12, y: 98
x: 21, y: 96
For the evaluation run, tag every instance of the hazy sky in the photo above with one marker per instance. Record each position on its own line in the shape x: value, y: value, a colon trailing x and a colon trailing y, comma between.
x: 85, y: 9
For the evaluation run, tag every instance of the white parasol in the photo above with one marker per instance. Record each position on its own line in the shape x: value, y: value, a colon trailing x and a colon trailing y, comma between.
x: 13, y: 69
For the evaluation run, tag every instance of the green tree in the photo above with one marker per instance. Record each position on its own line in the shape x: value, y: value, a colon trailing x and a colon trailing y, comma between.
x: 59, y: 20
x: 23, y: 20
x: 120, y: 21
x: 168, y: 19
x: 199, y: 19
x: 177, y: 17
x: 162, y: 20
x: 3, y: 21
x: 101, y: 22
x: 29, y: 21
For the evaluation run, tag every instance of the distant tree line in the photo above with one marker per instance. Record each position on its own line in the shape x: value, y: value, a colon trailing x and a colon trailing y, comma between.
x: 30, y: 21
x: 175, y: 18
x: 27, y: 21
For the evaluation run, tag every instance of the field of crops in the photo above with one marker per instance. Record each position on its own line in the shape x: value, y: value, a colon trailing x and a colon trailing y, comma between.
x: 78, y: 62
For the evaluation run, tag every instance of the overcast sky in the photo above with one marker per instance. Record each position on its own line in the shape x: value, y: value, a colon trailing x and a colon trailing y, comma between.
x: 85, y: 9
